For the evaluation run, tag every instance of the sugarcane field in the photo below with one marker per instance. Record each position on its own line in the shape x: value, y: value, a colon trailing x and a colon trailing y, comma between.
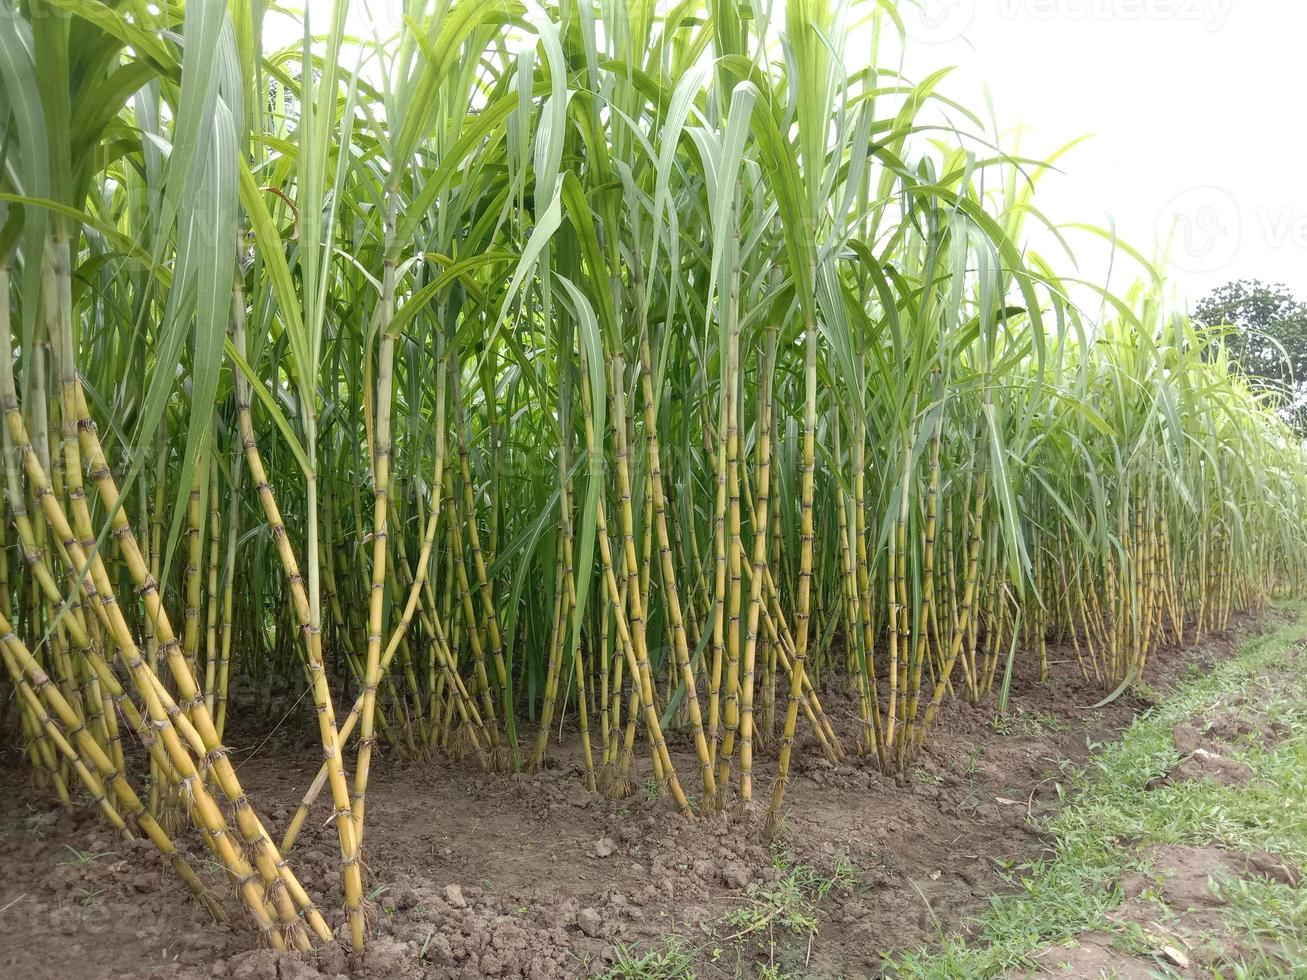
x: 652, y: 490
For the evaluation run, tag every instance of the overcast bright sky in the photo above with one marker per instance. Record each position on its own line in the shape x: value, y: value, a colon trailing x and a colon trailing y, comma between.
x: 1194, y: 108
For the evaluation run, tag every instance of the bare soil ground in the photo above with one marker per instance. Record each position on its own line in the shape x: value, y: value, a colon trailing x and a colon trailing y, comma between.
x: 480, y: 875
x: 1174, y: 915
x: 1178, y: 903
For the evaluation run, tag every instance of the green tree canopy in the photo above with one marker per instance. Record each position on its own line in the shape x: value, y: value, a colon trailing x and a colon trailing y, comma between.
x: 1269, y: 339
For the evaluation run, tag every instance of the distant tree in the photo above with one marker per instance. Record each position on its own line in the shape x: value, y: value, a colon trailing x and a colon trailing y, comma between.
x: 1269, y: 341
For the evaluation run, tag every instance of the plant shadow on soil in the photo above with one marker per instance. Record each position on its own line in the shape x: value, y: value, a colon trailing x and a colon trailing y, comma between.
x: 475, y: 874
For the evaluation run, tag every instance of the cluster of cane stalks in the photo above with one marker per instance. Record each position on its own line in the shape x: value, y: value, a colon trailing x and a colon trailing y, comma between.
x: 573, y: 382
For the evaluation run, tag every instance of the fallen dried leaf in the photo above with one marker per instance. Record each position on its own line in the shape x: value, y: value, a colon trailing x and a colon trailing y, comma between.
x: 1175, y: 957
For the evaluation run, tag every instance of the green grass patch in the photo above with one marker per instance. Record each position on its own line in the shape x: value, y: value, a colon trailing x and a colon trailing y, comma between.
x: 1100, y: 836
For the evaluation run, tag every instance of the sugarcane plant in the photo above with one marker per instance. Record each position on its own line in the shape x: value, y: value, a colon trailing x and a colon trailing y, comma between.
x: 612, y: 384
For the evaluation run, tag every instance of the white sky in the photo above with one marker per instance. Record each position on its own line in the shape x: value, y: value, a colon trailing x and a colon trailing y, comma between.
x: 1195, y: 109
